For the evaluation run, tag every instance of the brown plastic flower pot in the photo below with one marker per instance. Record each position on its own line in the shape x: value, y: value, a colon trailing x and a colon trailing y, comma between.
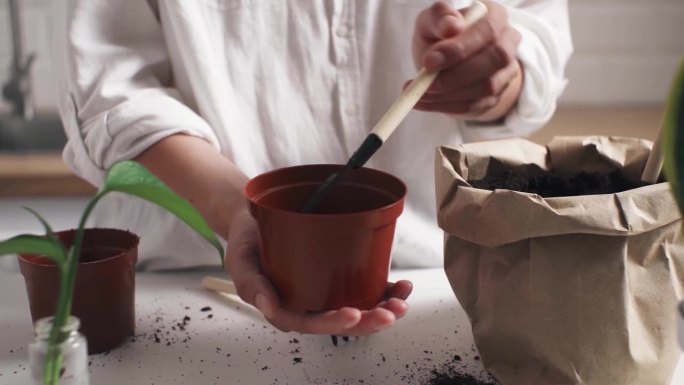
x: 336, y: 256
x: 104, y: 289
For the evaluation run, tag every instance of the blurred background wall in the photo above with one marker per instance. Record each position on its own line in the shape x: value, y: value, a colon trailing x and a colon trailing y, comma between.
x: 625, y: 50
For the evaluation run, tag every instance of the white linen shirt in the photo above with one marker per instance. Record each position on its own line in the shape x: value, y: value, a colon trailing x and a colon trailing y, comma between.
x: 273, y: 83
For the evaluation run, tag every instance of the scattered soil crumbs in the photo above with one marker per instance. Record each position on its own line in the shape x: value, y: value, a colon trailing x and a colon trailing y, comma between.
x: 169, y: 331
x: 550, y: 185
x: 464, y: 368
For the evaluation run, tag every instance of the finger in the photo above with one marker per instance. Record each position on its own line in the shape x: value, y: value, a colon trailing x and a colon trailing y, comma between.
x: 457, y: 108
x: 494, y: 85
x: 451, y: 51
x: 372, y: 321
x: 465, y: 110
x: 401, y: 289
x: 483, y: 105
x: 481, y: 66
x: 396, y: 306
x: 437, y: 22
x: 387, y: 312
x: 336, y: 322
x: 242, y: 263
x: 380, y: 318
x: 347, y: 321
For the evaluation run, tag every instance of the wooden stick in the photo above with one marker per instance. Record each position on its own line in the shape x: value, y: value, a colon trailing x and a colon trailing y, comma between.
x: 226, y: 290
x: 654, y: 164
x: 219, y: 285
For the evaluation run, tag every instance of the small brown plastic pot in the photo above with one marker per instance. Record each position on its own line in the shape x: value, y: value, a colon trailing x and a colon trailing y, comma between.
x: 104, y: 289
x: 336, y: 256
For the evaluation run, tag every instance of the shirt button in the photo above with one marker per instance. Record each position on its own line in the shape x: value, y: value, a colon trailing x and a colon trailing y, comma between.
x: 351, y: 110
x: 342, y: 31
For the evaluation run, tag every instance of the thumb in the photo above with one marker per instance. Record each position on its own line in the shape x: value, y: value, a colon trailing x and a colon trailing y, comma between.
x: 242, y: 263
x: 257, y: 290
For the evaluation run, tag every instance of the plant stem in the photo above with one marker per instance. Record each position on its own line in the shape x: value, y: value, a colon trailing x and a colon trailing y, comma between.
x: 53, y: 359
x: 67, y: 282
x: 72, y: 262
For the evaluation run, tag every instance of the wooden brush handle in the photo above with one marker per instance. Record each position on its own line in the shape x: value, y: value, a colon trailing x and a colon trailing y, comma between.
x: 654, y: 163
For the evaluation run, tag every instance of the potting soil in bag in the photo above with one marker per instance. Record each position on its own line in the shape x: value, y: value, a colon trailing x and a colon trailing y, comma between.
x: 564, y: 290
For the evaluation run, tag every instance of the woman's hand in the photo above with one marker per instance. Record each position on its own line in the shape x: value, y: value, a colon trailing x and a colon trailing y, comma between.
x: 480, y: 76
x: 242, y: 263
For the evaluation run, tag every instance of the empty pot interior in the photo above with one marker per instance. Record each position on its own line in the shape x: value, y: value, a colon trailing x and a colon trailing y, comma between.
x: 361, y: 190
x: 344, y: 198
x: 106, y: 238
x: 98, y: 245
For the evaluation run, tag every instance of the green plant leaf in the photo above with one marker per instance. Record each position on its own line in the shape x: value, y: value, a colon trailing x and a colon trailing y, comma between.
x: 132, y: 178
x: 34, y: 245
x: 48, y: 230
x: 673, y: 137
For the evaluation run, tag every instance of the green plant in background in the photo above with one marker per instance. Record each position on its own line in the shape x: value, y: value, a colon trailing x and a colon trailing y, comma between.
x: 673, y: 137
x: 125, y: 177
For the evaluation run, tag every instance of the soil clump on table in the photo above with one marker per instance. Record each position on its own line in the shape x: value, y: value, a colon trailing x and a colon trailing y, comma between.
x: 450, y: 376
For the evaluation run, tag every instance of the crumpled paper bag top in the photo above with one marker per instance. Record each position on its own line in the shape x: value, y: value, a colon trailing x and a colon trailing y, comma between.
x: 518, y: 215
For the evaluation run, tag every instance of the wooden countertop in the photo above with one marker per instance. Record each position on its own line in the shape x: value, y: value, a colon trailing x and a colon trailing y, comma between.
x: 631, y: 121
x: 39, y: 175
x: 47, y: 175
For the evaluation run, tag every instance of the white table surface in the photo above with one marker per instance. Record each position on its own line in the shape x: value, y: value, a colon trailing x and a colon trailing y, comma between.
x: 236, y: 345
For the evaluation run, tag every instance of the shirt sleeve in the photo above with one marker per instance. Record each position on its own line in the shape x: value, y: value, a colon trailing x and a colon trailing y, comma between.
x: 116, y: 91
x: 544, y: 51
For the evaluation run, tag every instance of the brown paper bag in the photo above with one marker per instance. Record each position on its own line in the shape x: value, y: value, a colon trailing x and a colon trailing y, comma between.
x: 569, y: 290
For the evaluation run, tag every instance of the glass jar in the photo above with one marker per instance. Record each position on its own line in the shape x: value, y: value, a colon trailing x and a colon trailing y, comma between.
x: 74, y: 367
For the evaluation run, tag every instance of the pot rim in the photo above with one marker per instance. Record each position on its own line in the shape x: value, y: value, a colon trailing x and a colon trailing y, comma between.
x: 27, y: 258
x: 392, y: 206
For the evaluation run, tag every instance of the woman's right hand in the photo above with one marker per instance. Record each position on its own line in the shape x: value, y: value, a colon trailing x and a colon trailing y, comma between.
x: 242, y: 263
x: 480, y: 76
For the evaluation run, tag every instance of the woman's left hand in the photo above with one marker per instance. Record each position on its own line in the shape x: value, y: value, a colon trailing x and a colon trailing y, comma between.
x: 480, y: 77
x: 242, y: 263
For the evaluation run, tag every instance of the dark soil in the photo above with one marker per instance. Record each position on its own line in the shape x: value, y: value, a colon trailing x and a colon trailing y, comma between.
x: 550, y: 185
x: 450, y: 376
x: 461, y: 369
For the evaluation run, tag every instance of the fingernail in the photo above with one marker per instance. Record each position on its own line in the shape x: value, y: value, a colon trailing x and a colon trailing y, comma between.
x: 263, y: 305
x: 435, y: 59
